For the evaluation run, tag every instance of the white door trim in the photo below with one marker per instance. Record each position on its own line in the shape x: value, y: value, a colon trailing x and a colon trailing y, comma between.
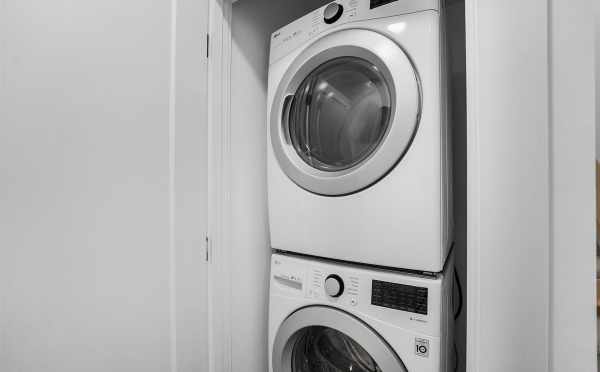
x: 472, y: 305
x: 572, y: 186
x: 531, y: 254
x: 508, y: 185
x: 219, y: 190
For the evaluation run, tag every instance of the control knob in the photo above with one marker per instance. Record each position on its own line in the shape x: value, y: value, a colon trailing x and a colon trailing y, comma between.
x: 334, y: 286
x: 332, y: 13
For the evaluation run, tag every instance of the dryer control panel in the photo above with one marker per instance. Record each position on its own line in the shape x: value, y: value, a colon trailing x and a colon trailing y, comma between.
x: 337, y: 13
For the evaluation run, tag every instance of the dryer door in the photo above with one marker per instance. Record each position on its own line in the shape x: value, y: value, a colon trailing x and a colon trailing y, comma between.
x: 345, y: 112
x: 323, y: 339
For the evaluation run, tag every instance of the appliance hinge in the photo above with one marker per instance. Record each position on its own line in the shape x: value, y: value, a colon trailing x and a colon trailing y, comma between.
x: 207, y: 44
x: 207, y: 248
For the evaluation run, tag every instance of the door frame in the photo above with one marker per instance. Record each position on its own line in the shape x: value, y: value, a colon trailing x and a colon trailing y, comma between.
x: 219, y: 189
x: 550, y: 153
x: 540, y: 253
x: 572, y: 185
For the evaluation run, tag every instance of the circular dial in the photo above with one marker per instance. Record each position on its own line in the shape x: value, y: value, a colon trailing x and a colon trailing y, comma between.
x: 332, y: 13
x: 334, y: 286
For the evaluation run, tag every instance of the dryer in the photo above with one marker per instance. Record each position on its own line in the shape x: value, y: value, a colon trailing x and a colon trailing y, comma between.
x: 358, y: 141
x: 325, y: 316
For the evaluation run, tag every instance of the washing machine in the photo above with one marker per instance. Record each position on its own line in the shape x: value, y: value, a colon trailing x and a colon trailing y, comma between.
x: 358, y: 140
x: 333, y: 317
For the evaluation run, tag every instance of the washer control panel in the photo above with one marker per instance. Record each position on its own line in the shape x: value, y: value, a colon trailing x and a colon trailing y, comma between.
x: 332, y: 12
x: 409, y: 301
x: 336, y: 287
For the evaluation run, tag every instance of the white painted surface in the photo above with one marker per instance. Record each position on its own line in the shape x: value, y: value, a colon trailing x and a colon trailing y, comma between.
x: 573, y: 215
x: 219, y: 187
x: 597, y: 59
x: 531, y: 186
x: 508, y: 190
x: 190, y: 171
x: 88, y: 258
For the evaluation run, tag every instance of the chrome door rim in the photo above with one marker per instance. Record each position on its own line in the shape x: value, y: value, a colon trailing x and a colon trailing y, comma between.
x: 399, y: 72
x: 288, y: 332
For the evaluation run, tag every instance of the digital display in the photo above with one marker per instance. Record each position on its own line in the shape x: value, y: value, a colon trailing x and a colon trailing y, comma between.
x: 399, y: 297
x: 377, y: 3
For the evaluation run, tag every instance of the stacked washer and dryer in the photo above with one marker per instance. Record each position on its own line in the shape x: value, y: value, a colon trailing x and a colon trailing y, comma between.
x: 359, y: 190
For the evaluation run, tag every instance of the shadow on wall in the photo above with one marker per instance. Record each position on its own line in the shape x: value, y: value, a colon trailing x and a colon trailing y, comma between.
x: 253, y: 21
x: 456, y: 59
x: 252, y: 29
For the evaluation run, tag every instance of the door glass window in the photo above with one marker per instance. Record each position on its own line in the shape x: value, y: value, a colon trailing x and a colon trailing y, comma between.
x: 340, y: 114
x: 323, y: 349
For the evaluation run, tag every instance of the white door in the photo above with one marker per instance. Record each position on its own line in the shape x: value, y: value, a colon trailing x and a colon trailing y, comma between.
x: 102, y: 196
x: 190, y: 173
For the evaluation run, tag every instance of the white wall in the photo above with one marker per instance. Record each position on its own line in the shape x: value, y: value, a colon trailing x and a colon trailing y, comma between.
x: 572, y: 188
x: 252, y: 25
x: 86, y: 253
x: 531, y: 186
x: 597, y: 55
x: 189, y: 167
x: 508, y: 190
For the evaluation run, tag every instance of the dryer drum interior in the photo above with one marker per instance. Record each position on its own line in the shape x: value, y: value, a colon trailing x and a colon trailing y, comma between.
x: 340, y: 114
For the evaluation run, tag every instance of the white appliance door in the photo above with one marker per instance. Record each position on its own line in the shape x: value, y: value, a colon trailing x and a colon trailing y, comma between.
x: 345, y: 112
x: 324, y: 339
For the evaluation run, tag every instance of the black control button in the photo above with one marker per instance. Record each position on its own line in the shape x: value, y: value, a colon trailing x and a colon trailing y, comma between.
x: 332, y: 13
x: 334, y: 285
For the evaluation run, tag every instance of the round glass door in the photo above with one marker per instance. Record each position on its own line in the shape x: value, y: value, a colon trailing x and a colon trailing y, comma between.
x: 323, y: 349
x: 345, y: 112
x: 325, y: 339
x: 340, y: 114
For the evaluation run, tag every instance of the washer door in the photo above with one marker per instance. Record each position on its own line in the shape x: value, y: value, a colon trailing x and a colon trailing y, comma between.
x: 323, y: 339
x: 345, y: 112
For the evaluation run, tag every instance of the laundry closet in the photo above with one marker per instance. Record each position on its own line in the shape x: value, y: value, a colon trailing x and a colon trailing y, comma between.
x: 253, y: 24
x: 177, y: 196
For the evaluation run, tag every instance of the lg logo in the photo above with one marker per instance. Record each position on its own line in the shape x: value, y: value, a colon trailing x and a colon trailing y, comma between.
x: 422, y: 347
